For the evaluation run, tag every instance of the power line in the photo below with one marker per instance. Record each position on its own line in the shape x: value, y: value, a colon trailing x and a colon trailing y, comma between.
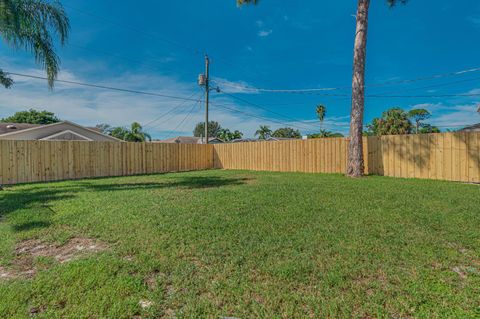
x: 259, y: 117
x: 261, y: 107
x: 432, y: 86
x: 184, y: 119
x: 425, y: 78
x: 232, y: 109
x: 171, y: 117
x: 169, y: 111
x: 97, y: 86
x: 424, y: 96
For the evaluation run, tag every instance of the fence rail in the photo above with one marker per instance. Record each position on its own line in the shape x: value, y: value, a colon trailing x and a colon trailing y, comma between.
x: 37, y: 161
x: 447, y: 156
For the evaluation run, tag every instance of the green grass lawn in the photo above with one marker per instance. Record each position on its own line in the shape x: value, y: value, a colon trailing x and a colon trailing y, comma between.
x: 245, y: 245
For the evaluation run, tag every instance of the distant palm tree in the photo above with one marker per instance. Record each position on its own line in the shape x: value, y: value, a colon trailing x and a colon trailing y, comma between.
x: 136, y: 134
x: 325, y: 133
x: 264, y: 132
x: 30, y: 25
x: 321, y: 111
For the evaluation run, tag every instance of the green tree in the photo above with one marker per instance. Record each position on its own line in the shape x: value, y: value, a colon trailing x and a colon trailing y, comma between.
x: 104, y: 128
x: 136, y: 133
x: 394, y: 121
x: 214, y: 129
x: 321, y: 111
x: 418, y: 116
x: 355, y: 165
x: 427, y: 128
x: 31, y: 25
x: 325, y: 133
x: 32, y: 117
x: 264, y: 132
x: 133, y: 134
x: 118, y: 132
x: 226, y: 135
x: 287, y: 132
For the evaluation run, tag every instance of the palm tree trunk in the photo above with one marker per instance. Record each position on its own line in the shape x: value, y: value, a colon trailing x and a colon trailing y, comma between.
x: 356, y: 167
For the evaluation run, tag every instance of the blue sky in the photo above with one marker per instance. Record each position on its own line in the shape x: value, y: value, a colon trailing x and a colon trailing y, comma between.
x: 158, y: 47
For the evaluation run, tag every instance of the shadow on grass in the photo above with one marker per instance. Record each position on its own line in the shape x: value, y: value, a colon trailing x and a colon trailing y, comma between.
x: 30, y: 197
x: 31, y: 226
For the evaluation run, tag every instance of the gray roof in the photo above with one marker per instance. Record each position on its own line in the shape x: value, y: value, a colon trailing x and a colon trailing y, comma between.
x: 15, y: 127
x: 475, y: 127
x: 188, y: 140
x: 181, y: 140
x: 44, y: 132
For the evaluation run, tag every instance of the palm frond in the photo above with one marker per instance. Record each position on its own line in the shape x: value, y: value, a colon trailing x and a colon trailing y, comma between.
x: 31, y: 25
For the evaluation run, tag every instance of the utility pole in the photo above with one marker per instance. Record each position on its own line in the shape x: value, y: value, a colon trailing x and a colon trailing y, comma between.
x: 207, y: 94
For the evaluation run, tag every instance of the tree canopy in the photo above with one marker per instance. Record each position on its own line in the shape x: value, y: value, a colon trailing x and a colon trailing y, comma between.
x: 418, y: 116
x: 32, y: 116
x: 393, y: 122
x: 31, y: 25
x: 287, y: 132
x: 134, y: 133
x: 227, y: 135
x: 396, y: 121
x: 325, y: 133
x: 214, y: 129
x: 264, y: 132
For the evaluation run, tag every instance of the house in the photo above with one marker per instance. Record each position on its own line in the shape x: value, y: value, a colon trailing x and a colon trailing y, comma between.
x: 190, y: 140
x: 61, y: 131
x: 473, y: 128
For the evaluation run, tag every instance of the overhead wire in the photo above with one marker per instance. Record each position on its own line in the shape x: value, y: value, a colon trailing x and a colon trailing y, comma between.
x: 105, y: 87
x: 261, y: 107
x: 181, y: 122
x: 306, y: 90
x: 176, y: 107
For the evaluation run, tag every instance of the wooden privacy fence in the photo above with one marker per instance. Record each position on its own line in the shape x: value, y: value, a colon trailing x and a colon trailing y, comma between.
x: 37, y: 161
x: 326, y: 155
x: 447, y: 156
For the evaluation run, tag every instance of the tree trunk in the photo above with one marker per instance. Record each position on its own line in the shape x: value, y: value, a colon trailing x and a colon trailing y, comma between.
x: 356, y: 167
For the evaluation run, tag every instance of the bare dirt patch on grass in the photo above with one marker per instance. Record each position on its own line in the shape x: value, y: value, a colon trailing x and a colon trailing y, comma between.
x: 27, y: 252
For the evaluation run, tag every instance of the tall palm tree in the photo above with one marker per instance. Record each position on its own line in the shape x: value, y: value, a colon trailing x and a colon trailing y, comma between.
x: 264, y: 132
x: 321, y: 111
x: 31, y: 25
x: 355, y: 167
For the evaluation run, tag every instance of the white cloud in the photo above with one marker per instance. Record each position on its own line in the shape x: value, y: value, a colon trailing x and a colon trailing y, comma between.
x: 264, y: 33
x: 452, y: 116
x: 90, y: 106
x: 234, y: 86
x: 475, y: 20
